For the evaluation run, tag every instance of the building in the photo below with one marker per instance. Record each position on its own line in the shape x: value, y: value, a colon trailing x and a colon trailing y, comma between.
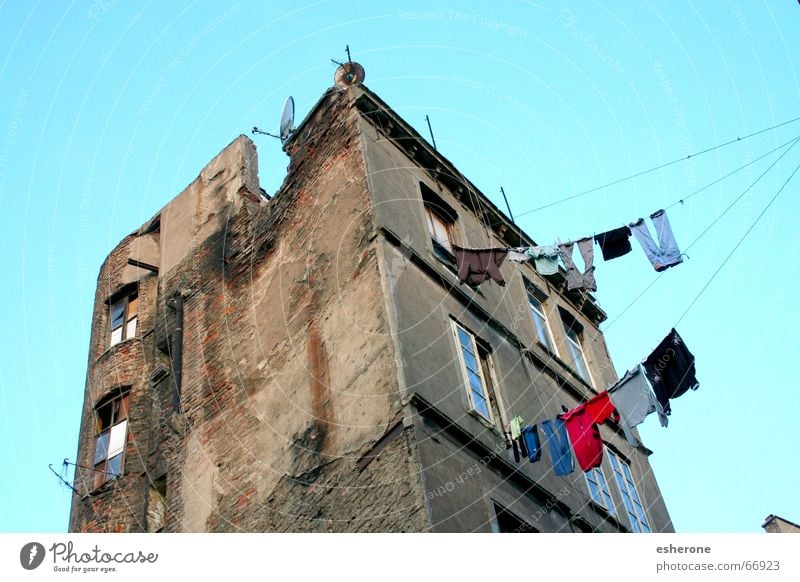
x: 778, y: 524
x: 310, y: 362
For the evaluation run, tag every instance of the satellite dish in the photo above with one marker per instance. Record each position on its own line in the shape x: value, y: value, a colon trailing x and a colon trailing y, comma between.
x: 287, y: 119
x: 350, y: 73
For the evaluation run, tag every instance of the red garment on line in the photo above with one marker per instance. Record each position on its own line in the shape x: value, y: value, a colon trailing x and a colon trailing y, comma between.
x: 581, y: 423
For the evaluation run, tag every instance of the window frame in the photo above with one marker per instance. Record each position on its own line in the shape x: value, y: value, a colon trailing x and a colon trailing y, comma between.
x: 119, y: 402
x: 125, y: 299
x: 489, y: 393
x: 603, y: 498
x: 534, y: 294
x: 571, y: 326
x: 437, y: 210
x: 626, y: 486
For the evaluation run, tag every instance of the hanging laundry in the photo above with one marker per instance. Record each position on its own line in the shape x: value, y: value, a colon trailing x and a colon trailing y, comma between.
x: 576, y: 280
x: 665, y: 254
x: 555, y: 435
x: 670, y: 369
x: 477, y: 265
x: 530, y: 436
x: 633, y: 399
x: 614, y: 243
x: 523, y: 447
x: 515, y: 426
x: 581, y: 423
x: 515, y: 446
x: 545, y: 258
x: 507, y: 439
x: 519, y: 254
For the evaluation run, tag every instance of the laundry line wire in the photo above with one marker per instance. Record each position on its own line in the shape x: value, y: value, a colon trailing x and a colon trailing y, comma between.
x: 738, y: 244
x: 706, y: 230
x: 681, y: 200
x: 654, y: 169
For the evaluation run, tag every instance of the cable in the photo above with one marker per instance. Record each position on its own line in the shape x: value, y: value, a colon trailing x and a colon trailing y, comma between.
x: 737, y: 170
x: 731, y: 205
x: 642, y: 173
x: 702, y: 234
x: 738, y: 244
x: 692, y: 194
x: 792, y: 141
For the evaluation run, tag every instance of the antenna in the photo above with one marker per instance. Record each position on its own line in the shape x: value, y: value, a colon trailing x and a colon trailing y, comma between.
x: 286, y: 127
x: 433, y: 139
x: 503, y: 192
x: 349, y: 73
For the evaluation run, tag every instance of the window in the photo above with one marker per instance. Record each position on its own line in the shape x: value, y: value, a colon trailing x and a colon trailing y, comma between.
x: 598, y: 489
x: 477, y: 372
x: 440, y: 232
x: 536, y: 302
x: 577, y: 359
x: 123, y: 314
x: 440, y: 220
x: 633, y: 504
x: 506, y: 521
x: 111, y: 435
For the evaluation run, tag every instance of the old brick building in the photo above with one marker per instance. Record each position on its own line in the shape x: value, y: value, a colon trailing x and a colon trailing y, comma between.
x: 304, y: 362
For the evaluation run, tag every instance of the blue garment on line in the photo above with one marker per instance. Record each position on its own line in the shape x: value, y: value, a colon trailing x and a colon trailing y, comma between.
x: 530, y: 435
x: 665, y: 254
x: 559, y: 446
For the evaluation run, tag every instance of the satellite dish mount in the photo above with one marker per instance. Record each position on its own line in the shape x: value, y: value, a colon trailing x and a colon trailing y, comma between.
x: 286, y: 128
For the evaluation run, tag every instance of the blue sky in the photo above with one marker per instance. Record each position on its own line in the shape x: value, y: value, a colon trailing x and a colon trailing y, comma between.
x: 108, y: 109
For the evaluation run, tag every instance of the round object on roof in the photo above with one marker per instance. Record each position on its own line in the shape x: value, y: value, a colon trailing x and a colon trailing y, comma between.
x: 349, y: 74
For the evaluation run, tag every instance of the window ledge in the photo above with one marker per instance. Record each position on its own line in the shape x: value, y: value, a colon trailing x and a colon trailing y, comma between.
x: 105, y: 487
x: 116, y: 346
x: 483, y: 420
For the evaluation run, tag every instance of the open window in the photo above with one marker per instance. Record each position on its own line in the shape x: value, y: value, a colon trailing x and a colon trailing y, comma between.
x: 536, y: 302
x: 476, y: 368
x: 440, y: 220
x: 575, y: 346
x: 123, y: 316
x: 111, y: 435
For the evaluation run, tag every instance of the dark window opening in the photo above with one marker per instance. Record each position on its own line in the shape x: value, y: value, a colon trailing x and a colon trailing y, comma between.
x: 440, y: 220
x: 506, y: 521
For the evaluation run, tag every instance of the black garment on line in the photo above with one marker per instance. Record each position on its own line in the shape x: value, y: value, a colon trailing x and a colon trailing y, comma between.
x: 614, y: 243
x: 670, y: 369
x: 516, y: 450
x: 523, y: 449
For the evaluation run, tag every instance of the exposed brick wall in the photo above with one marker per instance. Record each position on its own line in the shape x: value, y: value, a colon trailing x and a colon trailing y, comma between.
x: 117, y: 505
x: 289, y: 374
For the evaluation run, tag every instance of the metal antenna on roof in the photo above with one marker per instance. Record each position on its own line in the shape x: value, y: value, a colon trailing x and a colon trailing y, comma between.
x: 508, y: 206
x: 430, y: 129
x: 346, y: 66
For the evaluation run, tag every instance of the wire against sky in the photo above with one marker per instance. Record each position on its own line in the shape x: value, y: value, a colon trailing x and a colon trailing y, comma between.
x: 738, y: 244
x: 662, y: 166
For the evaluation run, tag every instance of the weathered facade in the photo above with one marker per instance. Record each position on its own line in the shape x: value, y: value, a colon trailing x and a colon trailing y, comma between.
x: 292, y: 363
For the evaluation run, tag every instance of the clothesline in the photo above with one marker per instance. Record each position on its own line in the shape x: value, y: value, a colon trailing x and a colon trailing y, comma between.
x: 667, y: 373
x: 682, y: 200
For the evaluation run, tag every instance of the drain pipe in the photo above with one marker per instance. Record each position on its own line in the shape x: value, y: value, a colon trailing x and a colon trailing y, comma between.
x: 177, y: 352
